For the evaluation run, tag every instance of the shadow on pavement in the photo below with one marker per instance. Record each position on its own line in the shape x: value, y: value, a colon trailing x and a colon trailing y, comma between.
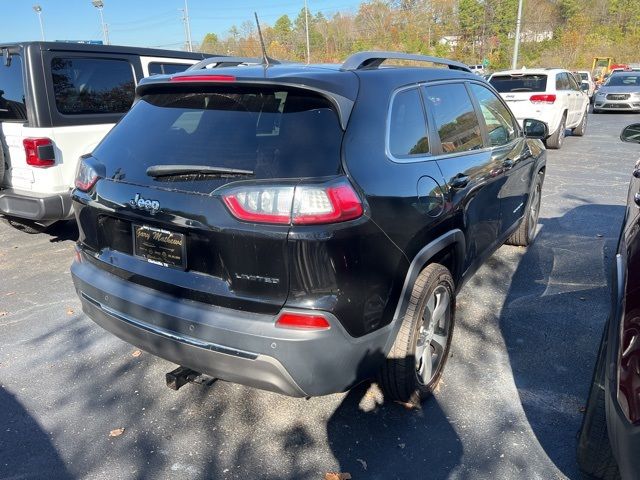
x: 552, y: 319
x: 25, y: 450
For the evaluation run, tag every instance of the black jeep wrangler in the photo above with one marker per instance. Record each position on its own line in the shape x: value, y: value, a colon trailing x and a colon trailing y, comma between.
x: 302, y: 228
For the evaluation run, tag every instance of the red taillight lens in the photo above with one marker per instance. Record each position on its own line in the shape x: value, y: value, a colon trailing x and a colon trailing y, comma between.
x: 86, y: 176
x: 204, y: 78
x: 543, y: 98
x: 302, y: 205
x: 303, y: 321
x: 39, y: 152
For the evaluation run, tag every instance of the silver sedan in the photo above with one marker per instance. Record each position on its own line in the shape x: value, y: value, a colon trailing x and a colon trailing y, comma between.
x: 620, y: 93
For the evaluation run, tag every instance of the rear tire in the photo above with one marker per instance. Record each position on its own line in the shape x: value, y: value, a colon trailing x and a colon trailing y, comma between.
x: 2, y: 165
x: 581, y: 129
x: 595, y: 457
x: 526, y: 232
x: 556, y: 140
x: 418, y: 355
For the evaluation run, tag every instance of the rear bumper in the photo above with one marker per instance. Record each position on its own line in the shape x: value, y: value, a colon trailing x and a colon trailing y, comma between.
x: 36, y: 206
x: 232, y: 345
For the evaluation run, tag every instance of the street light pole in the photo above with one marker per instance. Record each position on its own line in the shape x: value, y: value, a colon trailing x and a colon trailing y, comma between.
x: 306, y: 27
x: 99, y: 4
x: 516, y: 45
x: 187, y: 24
x: 38, y: 9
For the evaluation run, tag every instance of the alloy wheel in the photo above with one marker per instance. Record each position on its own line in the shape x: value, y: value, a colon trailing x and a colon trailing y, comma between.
x: 433, y: 336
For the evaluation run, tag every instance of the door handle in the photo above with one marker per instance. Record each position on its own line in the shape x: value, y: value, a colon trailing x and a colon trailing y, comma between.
x: 459, y: 181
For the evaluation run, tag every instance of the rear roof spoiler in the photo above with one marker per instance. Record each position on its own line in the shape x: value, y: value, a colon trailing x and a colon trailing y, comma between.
x: 363, y: 60
x: 219, y: 62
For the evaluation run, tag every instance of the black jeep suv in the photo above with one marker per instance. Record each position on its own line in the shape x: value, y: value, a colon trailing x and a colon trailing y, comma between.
x: 301, y: 228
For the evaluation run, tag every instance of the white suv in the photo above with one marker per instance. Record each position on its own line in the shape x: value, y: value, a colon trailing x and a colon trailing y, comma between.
x: 551, y: 95
x: 57, y: 101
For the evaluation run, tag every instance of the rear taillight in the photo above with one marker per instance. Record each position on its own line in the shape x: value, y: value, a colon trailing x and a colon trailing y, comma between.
x: 39, y: 152
x: 543, y: 98
x: 300, y: 205
x: 303, y: 321
x: 86, y: 176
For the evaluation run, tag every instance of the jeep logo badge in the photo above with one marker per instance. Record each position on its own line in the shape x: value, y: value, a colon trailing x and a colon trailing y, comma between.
x: 144, y: 204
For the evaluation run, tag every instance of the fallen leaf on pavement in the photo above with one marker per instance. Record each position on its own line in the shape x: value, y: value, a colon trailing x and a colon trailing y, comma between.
x: 3, y: 314
x: 10, y: 293
x: 337, y: 476
x: 117, y: 432
x: 70, y: 311
x: 137, y: 353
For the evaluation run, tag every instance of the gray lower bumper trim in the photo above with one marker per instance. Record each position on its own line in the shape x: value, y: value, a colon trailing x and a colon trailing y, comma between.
x: 35, y: 206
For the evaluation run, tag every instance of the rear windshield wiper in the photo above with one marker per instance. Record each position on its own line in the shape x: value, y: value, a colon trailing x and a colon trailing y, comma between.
x: 177, y: 170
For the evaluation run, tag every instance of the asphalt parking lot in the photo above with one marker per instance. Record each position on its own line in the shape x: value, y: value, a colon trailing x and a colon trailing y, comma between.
x: 509, y: 405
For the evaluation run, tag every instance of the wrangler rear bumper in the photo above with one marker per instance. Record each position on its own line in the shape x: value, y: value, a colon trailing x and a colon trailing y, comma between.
x: 39, y: 207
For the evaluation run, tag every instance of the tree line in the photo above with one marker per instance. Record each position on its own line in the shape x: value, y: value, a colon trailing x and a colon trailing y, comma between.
x: 567, y: 33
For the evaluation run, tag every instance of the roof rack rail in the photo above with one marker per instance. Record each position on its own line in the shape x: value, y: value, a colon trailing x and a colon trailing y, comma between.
x: 228, y: 62
x: 374, y: 59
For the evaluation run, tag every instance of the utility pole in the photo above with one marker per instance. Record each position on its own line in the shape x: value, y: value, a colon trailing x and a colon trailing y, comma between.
x: 516, y: 45
x: 187, y: 27
x: 38, y: 9
x: 306, y: 27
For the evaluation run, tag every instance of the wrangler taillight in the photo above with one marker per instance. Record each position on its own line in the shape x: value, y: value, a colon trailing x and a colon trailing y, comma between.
x: 299, y: 205
x: 550, y: 98
x: 39, y: 152
x: 86, y: 176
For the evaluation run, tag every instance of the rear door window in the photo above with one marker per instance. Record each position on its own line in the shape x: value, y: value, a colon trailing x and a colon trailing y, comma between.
x: 455, y: 118
x: 562, y: 82
x: 92, y: 85
x: 407, y: 125
x: 519, y: 83
x: 159, y: 68
x: 273, y: 132
x: 12, y: 96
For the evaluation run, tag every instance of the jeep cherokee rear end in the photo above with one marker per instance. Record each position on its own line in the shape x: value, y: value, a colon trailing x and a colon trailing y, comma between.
x: 220, y: 230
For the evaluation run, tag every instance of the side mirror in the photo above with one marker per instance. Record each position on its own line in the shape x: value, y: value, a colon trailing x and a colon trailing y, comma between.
x: 7, y: 57
x: 631, y: 133
x: 535, y: 129
x: 584, y: 86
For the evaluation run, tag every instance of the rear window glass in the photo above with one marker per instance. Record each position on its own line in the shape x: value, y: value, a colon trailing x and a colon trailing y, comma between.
x: 12, y: 102
x: 456, y: 120
x: 273, y: 132
x: 407, y: 125
x: 157, y: 68
x: 519, y: 83
x: 92, y: 85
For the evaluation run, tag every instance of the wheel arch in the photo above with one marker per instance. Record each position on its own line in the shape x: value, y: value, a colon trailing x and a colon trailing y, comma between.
x: 448, y: 250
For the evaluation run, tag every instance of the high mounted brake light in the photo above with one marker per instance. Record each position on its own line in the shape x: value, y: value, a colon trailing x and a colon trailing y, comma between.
x: 204, y: 78
x: 300, y: 205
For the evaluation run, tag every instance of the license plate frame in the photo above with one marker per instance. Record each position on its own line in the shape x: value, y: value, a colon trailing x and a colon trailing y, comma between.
x: 159, y: 246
